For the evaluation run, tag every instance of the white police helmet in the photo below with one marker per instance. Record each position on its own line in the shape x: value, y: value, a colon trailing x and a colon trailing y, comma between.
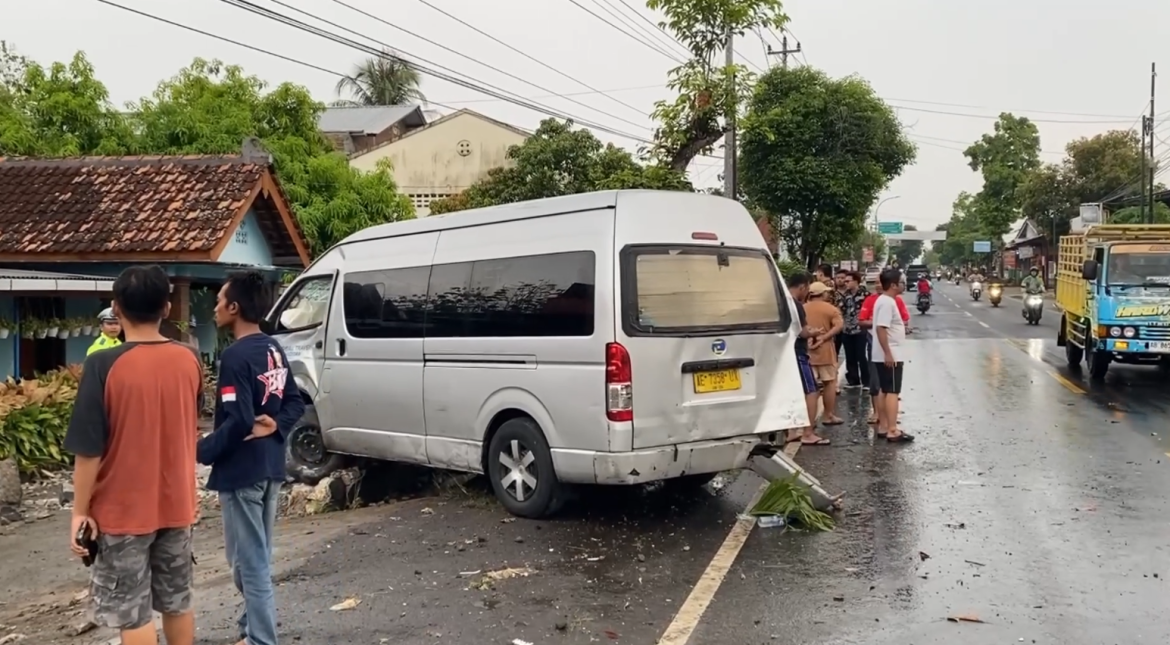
x: 107, y: 315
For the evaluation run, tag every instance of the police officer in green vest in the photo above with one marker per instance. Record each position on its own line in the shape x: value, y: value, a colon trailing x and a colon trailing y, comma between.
x: 111, y: 328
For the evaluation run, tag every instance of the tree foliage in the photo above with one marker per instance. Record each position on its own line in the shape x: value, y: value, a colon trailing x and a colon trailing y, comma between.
x: 815, y: 153
x: 1135, y: 214
x: 855, y: 249
x: 906, y: 251
x: 708, y: 88
x: 964, y: 228
x: 381, y: 80
x: 1094, y: 168
x: 207, y: 108
x: 1006, y: 158
x: 560, y: 160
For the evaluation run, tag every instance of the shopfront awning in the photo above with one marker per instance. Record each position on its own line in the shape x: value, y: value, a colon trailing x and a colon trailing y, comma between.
x: 20, y: 281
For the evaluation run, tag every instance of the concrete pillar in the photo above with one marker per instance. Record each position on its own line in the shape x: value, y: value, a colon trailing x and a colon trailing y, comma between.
x: 180, y: 309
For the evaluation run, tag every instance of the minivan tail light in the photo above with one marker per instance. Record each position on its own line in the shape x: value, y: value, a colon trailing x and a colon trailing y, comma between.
x: 703, y: 235
x: 619, y: 383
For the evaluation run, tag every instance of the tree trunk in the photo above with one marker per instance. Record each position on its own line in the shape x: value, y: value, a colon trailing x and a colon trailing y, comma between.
x: 688, y: 152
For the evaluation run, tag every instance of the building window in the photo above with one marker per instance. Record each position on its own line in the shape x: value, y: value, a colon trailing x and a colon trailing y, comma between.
x: 423, y: 200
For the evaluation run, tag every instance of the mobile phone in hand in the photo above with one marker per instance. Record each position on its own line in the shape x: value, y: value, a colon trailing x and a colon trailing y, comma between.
x: 86, y: 540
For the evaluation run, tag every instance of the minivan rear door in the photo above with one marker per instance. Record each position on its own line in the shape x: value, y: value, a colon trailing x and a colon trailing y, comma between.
x: 710, y: 333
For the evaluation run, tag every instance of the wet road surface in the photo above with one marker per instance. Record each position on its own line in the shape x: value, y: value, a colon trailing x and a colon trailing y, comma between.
x: 1032, y: 500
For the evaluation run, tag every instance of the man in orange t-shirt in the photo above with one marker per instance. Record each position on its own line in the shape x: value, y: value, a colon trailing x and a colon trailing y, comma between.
x: 822, y: 351
x: 133, y: 434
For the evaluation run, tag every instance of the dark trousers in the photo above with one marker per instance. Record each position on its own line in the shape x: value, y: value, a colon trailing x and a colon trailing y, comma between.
x: 856, y: 364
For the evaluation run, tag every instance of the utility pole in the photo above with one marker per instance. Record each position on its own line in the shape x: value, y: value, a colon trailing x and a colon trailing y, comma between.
x: 730, y: 187
x: 784, y: 51
x: 1150, y: 129
x: 1143, y: 174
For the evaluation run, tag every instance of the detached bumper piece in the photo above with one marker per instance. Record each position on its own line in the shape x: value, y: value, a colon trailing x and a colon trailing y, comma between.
x: 771, y: 463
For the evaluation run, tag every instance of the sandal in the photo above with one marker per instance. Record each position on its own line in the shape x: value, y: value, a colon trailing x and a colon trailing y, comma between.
x: 833, y: 423
x: 901, y: 437
x: 819, y: 442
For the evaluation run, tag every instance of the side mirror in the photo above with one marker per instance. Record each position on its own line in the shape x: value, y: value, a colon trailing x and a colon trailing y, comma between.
x: 1089, y: 270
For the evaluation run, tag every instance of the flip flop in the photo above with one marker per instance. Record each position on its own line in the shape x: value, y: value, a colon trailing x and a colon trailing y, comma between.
x: 900, y: 438
x: 833, y: 423
x: 820, y: 442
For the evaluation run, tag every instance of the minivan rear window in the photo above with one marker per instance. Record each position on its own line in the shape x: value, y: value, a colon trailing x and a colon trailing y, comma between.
x: 687, y: 289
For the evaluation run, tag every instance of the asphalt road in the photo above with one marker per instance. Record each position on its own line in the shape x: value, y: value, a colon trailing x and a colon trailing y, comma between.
x: 1032, y: 500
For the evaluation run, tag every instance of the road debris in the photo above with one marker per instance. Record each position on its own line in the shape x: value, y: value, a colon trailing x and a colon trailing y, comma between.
x: 923, y: 555
x: 965, y: 618
x: 487, y: 581
x: 347, y: 604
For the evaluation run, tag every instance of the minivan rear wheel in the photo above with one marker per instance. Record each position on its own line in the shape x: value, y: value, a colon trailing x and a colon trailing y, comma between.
x: 521, y: 470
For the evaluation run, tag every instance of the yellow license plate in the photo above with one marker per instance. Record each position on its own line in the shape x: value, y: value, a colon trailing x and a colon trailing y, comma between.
x: 720, y: 381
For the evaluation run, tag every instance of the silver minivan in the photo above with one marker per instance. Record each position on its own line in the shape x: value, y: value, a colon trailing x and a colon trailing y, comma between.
x: 615, y: 337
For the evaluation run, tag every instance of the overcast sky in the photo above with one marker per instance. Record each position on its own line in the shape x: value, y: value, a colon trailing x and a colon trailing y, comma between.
x: 1078, y: 67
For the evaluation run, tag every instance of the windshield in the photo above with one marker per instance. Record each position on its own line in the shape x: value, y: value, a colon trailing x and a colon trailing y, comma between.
x: 1139, y: 265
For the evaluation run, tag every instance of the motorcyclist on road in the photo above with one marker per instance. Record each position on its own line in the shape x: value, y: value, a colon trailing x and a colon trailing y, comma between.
x: 1032, y: 284
x: 923, y: 286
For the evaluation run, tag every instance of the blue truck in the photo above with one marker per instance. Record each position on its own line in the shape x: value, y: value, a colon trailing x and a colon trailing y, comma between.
x: 1113, y: 285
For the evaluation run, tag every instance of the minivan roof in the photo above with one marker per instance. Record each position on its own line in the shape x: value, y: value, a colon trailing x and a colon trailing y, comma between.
x: 494, y: 214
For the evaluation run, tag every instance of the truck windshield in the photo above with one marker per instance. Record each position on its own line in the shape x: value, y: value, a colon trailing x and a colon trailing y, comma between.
x: 1139, y: 265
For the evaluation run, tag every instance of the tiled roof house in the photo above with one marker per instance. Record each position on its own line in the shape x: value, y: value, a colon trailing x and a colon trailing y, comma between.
x: 74, y: 224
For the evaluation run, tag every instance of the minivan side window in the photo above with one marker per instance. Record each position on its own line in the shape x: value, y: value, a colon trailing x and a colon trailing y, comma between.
x: 535, y: 295
x: 385, y: 304
x: 307, y: 306
x: 685, y: 289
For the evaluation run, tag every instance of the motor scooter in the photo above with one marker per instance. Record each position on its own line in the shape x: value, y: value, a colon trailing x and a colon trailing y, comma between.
x: 995, y: 295
x: 976, y: 290
x: 923, y: 302
x: 1033, y: 308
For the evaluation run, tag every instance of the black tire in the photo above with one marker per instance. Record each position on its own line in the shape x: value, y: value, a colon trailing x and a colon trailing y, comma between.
x: 307, y: 461
x: 1073, y: 354
x: 1096, y: 361
x: 514, y: 442
x: 994, y: 303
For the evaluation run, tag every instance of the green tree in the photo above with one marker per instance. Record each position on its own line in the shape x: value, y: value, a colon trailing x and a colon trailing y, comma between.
x: 381, y: 80
x: 963, y: 230
x: 559, y: 160
x: 906, y: 251
x: 708, y: 88
x: 59, y: 111
x: 1135, y: 214
x: 855, y: 249
x: 815, y: 153
x: 1006, y: 158
x: 1094, y: 168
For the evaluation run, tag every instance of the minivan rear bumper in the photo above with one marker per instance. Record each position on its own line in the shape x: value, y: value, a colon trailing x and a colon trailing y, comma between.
x: 654, y: 464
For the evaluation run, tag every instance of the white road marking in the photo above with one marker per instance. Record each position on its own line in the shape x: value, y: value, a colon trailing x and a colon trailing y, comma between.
x: 984, y: 324
x: 687, y: 619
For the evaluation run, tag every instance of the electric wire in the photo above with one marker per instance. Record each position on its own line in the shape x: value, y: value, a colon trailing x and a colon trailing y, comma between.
x: 657, y: 26
x: 443, y: 47
x: 593, y: 90
x: 627, y: 34
x: 649, y: 35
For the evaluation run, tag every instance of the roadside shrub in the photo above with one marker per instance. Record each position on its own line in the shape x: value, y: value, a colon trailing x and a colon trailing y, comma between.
x: 789, y: 268
x: 34, y: 414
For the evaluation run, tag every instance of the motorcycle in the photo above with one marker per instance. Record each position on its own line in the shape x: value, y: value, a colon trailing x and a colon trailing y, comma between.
x: 1033, y: 308
x: 923, y: 302
x: 995, y: 295
x: 976, y: 291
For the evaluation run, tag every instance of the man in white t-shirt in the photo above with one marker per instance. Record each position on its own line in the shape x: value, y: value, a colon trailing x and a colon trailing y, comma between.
x: 889, y: 353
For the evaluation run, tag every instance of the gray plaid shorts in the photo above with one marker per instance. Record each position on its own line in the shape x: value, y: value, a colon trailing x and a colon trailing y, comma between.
x: 135, y: 574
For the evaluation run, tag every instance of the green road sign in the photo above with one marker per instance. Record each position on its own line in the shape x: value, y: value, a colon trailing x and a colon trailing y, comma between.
x: 890, y: 228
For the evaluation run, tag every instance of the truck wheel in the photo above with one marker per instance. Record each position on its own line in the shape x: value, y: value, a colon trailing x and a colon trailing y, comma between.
x: 1097, y: 361
x: 308, y: 462
x: 1073, y: 354
x: 520, y: 466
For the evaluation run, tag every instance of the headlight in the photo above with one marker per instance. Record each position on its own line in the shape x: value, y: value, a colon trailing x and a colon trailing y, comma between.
x: 1129, y: 332
x: 1115, y: 332
x: 1034, y: 300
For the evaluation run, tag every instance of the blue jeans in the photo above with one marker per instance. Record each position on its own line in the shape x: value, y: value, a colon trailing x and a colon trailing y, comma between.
x: 249, y: 515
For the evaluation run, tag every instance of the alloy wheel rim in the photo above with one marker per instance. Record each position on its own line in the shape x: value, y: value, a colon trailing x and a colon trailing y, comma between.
x: 308, y: 446
x: 517, y: 473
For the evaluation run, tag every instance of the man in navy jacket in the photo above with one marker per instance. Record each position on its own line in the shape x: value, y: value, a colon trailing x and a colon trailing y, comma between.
x: 257, y: 406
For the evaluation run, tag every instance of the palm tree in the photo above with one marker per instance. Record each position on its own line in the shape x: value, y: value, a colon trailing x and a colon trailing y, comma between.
x: 381, y: 80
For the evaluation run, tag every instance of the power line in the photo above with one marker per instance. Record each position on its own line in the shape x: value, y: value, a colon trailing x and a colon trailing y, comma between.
x: 657, y: 26
x: 439, y: 45
x: 651, y: 36
x: 649, y: 46
x: 593, y: 90
x: 450, y: 76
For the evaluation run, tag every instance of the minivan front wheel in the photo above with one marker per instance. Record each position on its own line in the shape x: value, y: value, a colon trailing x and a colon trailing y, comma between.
x: 521, y: 470
x: 308, y: 462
